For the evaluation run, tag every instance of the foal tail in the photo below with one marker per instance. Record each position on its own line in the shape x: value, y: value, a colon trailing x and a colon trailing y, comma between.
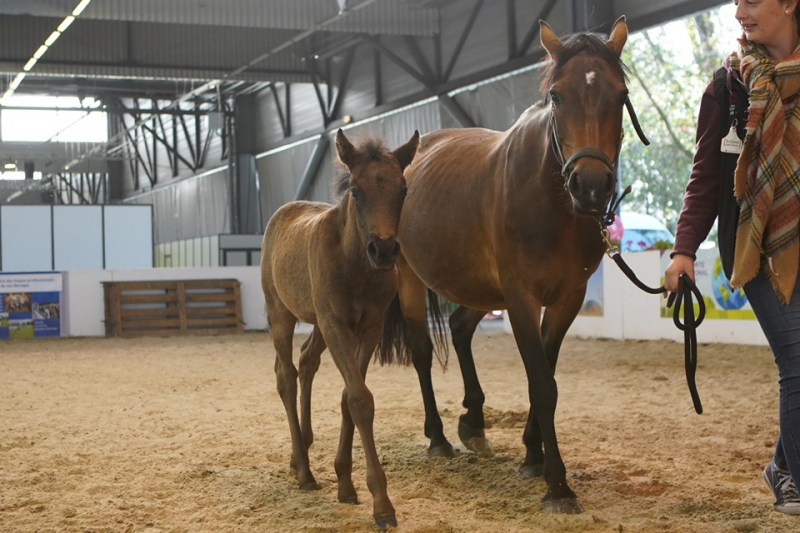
x: 394, y: 344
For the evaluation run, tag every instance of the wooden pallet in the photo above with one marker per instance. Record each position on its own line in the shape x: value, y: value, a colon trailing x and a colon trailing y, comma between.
x: 180, y: 307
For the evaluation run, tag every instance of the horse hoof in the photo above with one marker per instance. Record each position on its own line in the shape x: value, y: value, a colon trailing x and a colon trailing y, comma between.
x: 536, y: 470
x: 352, y: 500
x: 385, y: 521
x: 479, y: 446
x: 442, y: 450
x: 562, y: 506
x: 310, y: 485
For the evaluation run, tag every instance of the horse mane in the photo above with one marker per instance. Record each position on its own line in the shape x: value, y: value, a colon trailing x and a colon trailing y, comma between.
x: 576, y: 44
x: 371, y: 148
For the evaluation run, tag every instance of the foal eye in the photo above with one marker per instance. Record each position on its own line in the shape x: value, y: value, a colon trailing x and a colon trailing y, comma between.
x: 555, y: 98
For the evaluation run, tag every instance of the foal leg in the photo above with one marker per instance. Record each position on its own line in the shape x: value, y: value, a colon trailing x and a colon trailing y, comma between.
x: 471, y: 425
x: 310, y: 353
x: 358, y: 409
x: 557, y: 320
x: 282, y: 324
x: 412, y: 294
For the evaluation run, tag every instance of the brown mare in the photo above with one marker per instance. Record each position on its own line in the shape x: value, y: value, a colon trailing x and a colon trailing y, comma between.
x: 519, y: 232
x: 334, y: 267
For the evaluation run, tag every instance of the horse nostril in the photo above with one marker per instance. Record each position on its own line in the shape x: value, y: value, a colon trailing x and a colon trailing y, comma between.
x: 396, y: 249
x: 573, y: 185
x: 372, y: 249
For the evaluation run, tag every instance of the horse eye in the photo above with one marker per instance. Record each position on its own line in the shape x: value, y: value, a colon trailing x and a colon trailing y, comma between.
x: 555, y: 98
x: 354, y: 194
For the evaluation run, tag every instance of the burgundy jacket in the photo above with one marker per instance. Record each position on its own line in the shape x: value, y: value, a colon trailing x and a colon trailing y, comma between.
x: 701, y: 200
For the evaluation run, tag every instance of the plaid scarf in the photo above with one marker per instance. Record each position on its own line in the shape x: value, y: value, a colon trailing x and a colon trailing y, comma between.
x: 767, y: 178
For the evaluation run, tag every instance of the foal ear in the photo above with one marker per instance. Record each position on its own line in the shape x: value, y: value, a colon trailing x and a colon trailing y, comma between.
x: 547, y: 36
x: 619, y: 34
x: 345, y: 148
x: 405, y: 154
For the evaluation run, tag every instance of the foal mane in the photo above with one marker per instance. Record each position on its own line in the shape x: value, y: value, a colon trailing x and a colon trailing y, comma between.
x: 588, y: 43
x: 371, y: 148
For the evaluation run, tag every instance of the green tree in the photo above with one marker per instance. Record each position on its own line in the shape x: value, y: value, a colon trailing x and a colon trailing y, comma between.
x: 670, y: 67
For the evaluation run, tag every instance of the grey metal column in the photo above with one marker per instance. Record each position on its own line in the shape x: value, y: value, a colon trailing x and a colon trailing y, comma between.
x: 312, y: 167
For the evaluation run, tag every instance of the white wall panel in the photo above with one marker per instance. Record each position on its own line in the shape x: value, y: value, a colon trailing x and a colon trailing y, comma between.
x: 26, y: 238
x: 78, y: 237
x: 128, y: 236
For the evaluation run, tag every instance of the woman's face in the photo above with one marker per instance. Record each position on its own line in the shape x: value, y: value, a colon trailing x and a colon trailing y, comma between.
x: 765, y: 21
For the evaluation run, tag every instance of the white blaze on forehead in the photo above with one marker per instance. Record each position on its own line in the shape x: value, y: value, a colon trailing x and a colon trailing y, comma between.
x: 590, y: 76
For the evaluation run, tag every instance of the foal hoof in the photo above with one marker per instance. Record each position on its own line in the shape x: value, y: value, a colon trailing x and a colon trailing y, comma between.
x: 562, y: 506
x: 442, y: 450
x: 310, y: 485
x: 385, y: 521
x: 536, y: 470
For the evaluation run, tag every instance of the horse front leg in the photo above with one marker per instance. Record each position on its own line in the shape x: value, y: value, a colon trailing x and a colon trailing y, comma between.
x: 471, y: 425
x: 412, y: 294
x: 524, y: 313
x: 555, y: 324
x: 282, y: 325
x: 352, y: 356
x: 310, y: 353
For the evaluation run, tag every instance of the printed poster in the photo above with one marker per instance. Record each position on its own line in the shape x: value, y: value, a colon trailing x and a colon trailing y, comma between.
x: 30, y: 305
x: 721, y: 300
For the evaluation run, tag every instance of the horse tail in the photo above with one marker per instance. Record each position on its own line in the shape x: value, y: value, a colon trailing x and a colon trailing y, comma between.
x: 436, y: 322
x: 393, y: 346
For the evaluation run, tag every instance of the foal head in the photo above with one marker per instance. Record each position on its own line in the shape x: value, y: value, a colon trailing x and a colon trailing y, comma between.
x: 586, y: 90
x: 377, y: 188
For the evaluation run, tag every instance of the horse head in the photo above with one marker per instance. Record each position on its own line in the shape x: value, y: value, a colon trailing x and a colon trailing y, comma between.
x: 377, y: 190
x: 586, y: 91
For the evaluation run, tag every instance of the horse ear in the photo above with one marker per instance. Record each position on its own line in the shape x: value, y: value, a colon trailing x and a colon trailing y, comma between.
x: 405, y: 154
x: 547, y: 36
x: 345, y: 148
x: 619, y: 34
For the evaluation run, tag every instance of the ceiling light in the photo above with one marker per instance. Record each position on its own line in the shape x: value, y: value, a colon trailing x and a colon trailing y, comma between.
x: 68, y: 20
x: 65, y: 23
x: 40, y: 52
x: 80, y: 7
x: 10, y: 166
x: 53, y: 37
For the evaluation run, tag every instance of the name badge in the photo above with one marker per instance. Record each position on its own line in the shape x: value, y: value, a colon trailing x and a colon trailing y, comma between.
x: 731, y: 143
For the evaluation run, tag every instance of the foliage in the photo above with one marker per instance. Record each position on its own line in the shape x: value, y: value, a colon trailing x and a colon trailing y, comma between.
x: 670, y: 67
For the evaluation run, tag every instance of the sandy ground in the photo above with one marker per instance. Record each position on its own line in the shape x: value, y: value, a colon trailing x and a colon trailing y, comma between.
x: 189, y: 435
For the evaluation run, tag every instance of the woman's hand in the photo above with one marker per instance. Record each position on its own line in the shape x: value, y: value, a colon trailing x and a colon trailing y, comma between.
x: 680, y: 264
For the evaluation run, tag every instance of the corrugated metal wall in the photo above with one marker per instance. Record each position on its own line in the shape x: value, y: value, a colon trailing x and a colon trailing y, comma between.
x: 195, y: 207
x: 280, y: 172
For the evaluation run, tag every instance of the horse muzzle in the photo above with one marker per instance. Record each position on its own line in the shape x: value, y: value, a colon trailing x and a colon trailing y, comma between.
x: 383, y: 252
x: 591, y: 185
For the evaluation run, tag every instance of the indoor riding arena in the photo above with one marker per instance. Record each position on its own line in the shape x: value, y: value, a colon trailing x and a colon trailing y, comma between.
x: 156, y: 159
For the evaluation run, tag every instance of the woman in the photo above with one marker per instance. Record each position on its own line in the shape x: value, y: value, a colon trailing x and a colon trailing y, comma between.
x: 759, y: 214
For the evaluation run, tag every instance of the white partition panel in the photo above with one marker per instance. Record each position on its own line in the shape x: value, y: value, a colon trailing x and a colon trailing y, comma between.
x: 128, y: 236
x: 26, y: 233
x: 78, y: 237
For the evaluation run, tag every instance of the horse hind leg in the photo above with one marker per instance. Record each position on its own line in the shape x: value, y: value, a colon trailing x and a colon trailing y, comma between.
x: 412, y: 293
x: 282, y: 330
x: 310, y: 353
x: 471, y: 425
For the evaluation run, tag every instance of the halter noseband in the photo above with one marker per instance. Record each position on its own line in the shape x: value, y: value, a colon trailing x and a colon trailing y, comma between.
x: 595, y: 153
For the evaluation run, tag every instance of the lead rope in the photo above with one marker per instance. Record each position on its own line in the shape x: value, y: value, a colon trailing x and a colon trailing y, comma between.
x: 683, y: 298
